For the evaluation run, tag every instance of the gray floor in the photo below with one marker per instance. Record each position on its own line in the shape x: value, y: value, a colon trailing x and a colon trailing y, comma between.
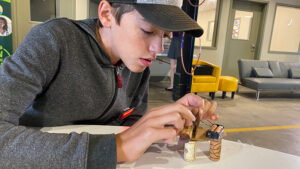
x: 273, y: 109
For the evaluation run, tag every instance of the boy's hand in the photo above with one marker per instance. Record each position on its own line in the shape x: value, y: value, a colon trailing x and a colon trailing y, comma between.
x: 201, y: 108
x: 134, y: 141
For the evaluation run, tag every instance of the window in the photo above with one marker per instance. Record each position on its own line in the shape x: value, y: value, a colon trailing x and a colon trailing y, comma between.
x: 242, y: 25
x: 208, y: 19
x: 42, y: 10
x: 286, y: 30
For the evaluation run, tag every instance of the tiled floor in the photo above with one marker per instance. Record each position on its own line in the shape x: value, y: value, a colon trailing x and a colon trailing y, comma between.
x: 273, y: 109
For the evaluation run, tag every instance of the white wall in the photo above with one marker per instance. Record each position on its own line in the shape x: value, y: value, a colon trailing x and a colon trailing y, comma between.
x: 73, y: 9
x: 82, y: 9
x: 66, y: 8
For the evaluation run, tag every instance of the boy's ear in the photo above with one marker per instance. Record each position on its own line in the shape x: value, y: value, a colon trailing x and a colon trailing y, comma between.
x: 105, y: 13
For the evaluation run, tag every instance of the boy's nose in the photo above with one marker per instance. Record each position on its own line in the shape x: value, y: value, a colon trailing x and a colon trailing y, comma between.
x: 157, y: 46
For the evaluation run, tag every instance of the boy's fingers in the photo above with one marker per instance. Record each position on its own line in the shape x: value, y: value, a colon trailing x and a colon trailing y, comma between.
x: 173, y: 119
x: 183, y: 111
x: 164, y: 133
x: 201, y: 108
x: 191, y: 100
x: 207, y: 105
x: 207, y: 111
x: 209, y: 114
x: 211, y: 111
x: 213, y: 107
x: 175, y: 107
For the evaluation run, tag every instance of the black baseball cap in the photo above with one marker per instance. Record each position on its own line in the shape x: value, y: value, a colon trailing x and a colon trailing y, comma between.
x: 165, y: 14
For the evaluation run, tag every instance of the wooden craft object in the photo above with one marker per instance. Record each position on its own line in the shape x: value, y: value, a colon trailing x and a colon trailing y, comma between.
x: 187, y: 131
x: 200, y: 135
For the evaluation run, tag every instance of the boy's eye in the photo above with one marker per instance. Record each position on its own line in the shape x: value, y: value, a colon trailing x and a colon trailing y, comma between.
x: 147, y: 32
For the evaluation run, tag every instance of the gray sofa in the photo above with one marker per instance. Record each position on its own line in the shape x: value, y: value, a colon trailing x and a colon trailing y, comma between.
x: 269, y: 75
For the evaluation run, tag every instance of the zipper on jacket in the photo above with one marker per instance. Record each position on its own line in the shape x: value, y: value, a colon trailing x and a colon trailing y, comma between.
x: 118, y: 76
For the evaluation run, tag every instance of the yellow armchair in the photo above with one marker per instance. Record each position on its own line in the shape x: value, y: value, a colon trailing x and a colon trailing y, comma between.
x: 206, y: 83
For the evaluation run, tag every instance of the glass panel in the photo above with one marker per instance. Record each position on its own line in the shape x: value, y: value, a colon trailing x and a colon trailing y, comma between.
x: 242, y: 25
x: 93, y: 8
x: 206, y: 19
x: 42, y: 10
x: 286, y: 30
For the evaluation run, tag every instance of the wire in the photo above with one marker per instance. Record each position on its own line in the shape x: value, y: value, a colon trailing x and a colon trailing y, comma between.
x: 181, y: 53
x: 193, y: 5
x: 182, y: 41
x: 210, y: 122
x: 205, y: 123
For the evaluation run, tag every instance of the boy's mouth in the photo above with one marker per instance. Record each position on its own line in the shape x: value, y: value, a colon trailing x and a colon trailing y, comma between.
x: 146, y: 62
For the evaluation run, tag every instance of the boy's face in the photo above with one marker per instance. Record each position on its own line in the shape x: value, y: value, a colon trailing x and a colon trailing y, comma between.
x: 135, y: 41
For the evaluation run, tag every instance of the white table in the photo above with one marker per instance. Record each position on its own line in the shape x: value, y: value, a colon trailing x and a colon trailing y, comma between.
x: 166, y: 156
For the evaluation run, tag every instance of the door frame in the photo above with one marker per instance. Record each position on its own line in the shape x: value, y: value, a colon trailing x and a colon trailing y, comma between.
x: 260, y: 31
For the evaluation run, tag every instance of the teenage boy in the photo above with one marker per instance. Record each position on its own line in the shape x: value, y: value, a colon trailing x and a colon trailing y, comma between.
x: 70, y: 72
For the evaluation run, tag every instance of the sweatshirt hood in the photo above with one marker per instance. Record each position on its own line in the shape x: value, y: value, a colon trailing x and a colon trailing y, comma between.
x: 89, y: 26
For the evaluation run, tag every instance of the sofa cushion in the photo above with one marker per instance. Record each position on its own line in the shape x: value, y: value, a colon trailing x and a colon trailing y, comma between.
x: 263, y: 72
x: 246, y: 67
x: 272, y: 83
x: 286, y: 66
x: 275, y: 68
x: 204, y: 79
x: 295, y: 73
x: 203, y: 70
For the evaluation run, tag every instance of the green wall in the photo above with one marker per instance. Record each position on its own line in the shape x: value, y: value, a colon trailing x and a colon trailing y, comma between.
x: 5, y: 40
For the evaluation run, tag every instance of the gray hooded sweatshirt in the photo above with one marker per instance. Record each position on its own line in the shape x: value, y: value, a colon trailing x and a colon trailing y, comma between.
x: 60, y: 75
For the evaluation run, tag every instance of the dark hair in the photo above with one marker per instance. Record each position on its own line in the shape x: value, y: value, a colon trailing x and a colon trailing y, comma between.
x: 5, y: 23
x: 118, y: 11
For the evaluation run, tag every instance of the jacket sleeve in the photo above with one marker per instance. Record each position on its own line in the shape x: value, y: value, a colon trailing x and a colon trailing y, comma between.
x: 23, y: 76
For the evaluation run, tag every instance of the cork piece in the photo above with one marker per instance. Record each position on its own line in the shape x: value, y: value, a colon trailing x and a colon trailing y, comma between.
x: 190, y: 151
x: 215, y: 150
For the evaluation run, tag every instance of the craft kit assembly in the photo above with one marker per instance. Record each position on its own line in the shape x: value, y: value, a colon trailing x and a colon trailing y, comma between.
x: 195, y: 133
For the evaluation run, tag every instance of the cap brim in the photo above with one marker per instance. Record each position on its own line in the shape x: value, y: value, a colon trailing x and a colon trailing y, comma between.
x: 169, y: 18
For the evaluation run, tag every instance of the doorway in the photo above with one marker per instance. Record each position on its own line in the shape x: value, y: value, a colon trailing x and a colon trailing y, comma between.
x: 243, y: 32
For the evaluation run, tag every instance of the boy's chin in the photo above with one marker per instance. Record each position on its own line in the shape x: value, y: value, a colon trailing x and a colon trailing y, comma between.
x: 137, y: 69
